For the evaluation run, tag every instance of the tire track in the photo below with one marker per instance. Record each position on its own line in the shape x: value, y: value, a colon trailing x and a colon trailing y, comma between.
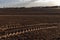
x: 20, y: 26
x: 24, y: 31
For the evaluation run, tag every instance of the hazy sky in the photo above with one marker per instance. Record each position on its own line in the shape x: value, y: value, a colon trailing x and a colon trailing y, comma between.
x: 28, y: 3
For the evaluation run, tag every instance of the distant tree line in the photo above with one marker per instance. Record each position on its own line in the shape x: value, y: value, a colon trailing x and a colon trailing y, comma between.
x: 31, y: 7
